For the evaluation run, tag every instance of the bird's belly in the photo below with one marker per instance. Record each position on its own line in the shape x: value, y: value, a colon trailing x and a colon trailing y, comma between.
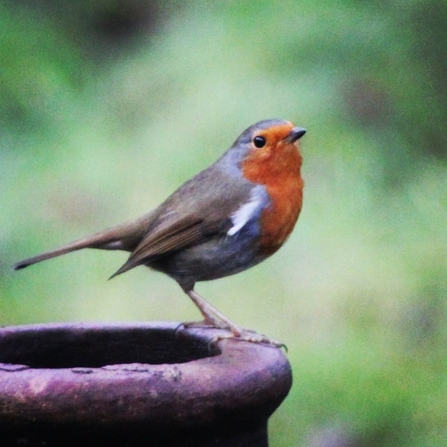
x: 216, y: 258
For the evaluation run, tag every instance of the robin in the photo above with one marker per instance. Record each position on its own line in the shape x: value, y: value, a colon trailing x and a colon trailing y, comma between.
x: 226, y: 219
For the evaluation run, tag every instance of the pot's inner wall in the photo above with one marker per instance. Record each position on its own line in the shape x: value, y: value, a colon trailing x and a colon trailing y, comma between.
x: 96, y: 347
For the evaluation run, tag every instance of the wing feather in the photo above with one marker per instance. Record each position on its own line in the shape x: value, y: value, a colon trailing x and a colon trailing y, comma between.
x: 201, y: 208
x: 169, y: 238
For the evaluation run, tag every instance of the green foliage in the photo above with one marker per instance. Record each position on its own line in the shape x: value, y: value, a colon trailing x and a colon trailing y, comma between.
x: 98, y: 128
x: 40, y: 68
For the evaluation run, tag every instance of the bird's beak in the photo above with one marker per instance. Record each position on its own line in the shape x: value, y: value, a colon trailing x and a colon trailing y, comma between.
x: 295, y: 134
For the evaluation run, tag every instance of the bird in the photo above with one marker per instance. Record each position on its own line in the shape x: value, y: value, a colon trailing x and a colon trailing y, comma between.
x: 231, y: 216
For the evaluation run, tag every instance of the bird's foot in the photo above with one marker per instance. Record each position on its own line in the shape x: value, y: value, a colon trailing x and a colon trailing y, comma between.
x: 197, y: 324
x: 216, y: 320
x: 252, y: 337
x: 233, y: 332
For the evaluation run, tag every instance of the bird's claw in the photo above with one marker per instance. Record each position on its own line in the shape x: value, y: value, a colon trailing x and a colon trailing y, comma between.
x: 195, y: 324
x: 232, y: 331
x: 251, y: 337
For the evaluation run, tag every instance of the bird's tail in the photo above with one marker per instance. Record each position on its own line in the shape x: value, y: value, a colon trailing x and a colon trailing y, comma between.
x: 122, y: 237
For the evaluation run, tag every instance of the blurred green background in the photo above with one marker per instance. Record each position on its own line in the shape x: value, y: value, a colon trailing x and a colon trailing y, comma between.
x: 106, y: 107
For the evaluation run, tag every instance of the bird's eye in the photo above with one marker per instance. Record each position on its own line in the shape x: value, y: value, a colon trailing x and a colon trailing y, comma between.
x: 259, y: 141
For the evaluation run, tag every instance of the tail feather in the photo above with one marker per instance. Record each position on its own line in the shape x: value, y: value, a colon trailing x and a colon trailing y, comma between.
x: 122, y: 237
x: 99, y: 240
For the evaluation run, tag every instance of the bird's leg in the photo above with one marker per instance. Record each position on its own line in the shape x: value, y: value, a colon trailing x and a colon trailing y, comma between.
x: 216, y: 319
x: 212, y: 316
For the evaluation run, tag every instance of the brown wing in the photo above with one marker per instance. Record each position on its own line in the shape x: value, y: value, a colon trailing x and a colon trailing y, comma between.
x: 186, y: 220
x: 171, y: 235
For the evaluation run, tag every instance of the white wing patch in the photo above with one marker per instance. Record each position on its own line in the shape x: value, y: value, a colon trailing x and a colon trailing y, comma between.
x: 245, y: 212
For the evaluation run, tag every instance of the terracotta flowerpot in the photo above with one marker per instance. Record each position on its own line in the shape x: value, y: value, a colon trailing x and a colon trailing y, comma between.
x: 136, y: 385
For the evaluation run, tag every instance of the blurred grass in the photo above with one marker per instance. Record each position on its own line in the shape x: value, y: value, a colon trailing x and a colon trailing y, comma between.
x: 92, y: 138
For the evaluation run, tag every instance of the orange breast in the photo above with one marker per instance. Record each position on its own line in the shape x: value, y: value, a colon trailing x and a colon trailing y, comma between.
x: 278, y: 167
